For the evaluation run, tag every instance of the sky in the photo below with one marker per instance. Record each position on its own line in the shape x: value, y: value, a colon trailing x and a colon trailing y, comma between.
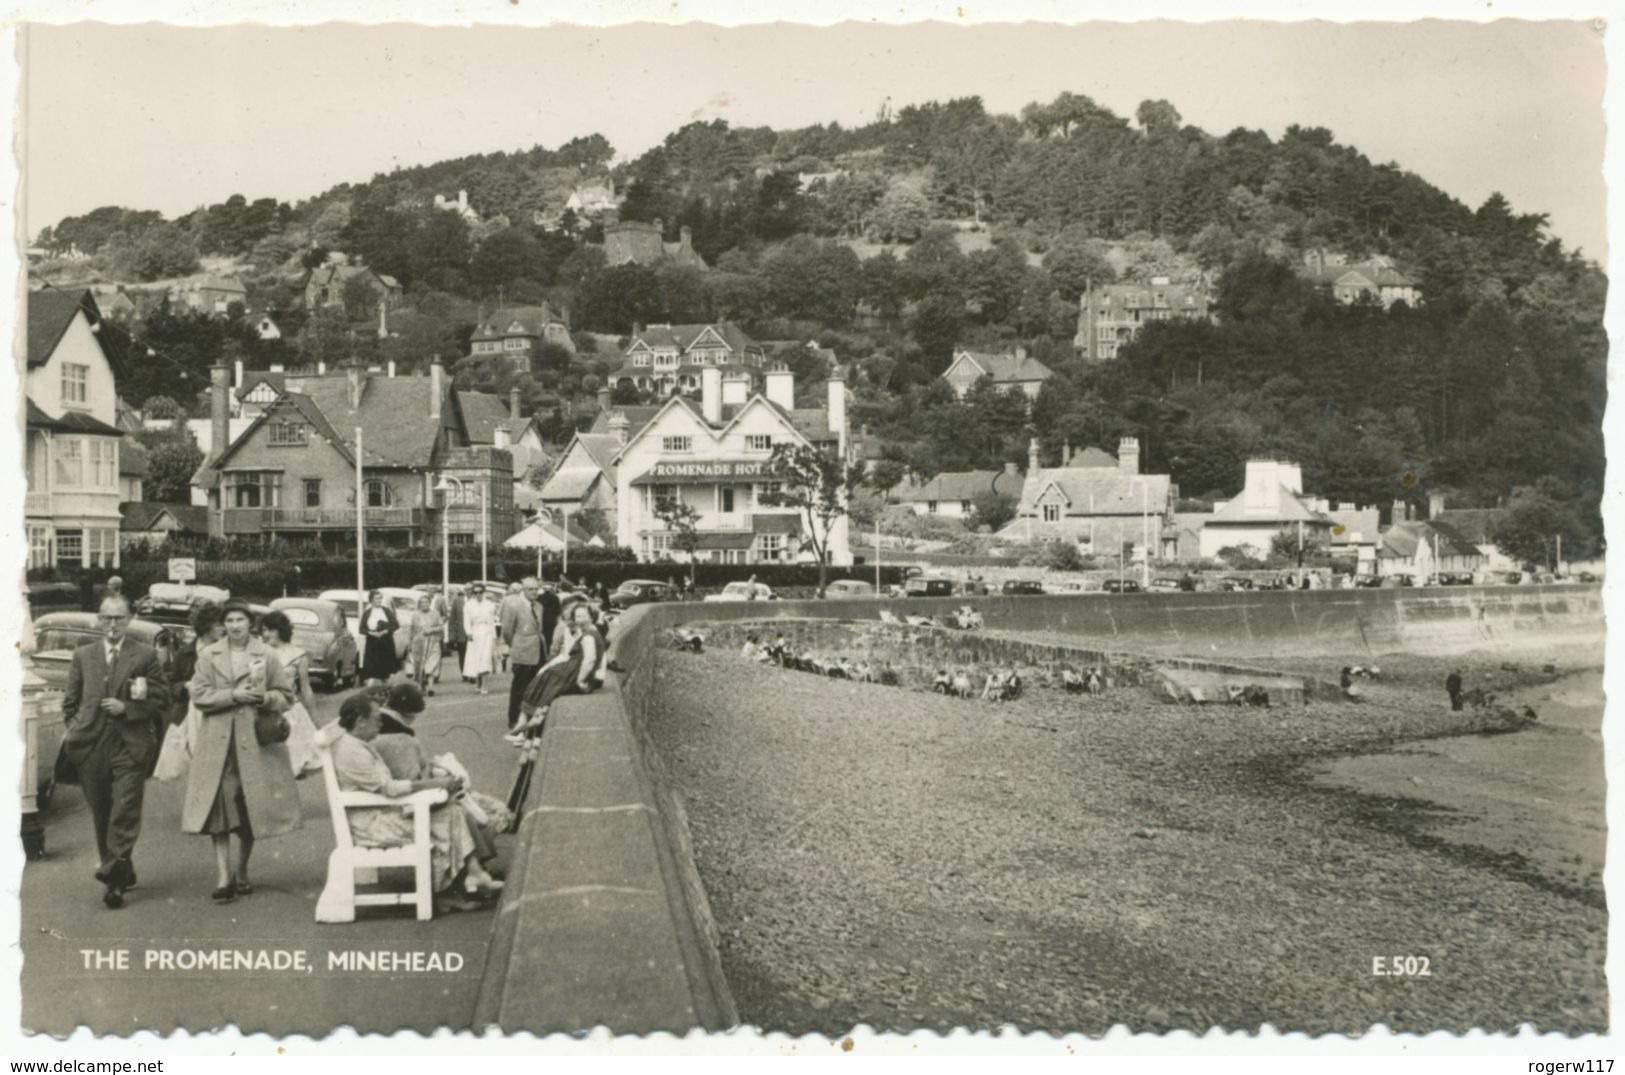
x: 169, y: 118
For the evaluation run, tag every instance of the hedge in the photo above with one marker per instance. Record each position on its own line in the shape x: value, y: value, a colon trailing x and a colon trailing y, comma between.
x: 263, y: 580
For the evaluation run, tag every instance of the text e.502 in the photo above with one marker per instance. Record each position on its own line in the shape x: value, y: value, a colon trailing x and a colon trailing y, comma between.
x: 1401, y: 967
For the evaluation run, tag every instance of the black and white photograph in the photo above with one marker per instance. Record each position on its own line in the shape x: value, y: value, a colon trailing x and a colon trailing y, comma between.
x: 938, y: 524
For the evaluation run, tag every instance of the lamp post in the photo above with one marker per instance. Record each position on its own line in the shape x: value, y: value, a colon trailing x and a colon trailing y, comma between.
x: 446, y: 483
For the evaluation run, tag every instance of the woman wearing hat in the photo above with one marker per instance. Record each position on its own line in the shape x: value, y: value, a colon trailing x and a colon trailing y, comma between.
x: 235, y: 785
x: 480, y: 625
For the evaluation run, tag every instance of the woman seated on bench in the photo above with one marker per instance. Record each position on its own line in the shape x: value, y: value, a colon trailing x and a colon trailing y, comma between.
x: 577, y: 669
x: 453, y: 852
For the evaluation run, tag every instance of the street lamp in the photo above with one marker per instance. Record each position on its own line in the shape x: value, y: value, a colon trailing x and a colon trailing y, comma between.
x: 445, y: 486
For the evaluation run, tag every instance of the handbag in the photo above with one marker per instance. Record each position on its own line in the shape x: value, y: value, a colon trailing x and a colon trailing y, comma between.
x: 271, y: 728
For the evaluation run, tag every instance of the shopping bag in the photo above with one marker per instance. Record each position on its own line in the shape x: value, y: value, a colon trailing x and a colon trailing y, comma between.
x: 175, y: 757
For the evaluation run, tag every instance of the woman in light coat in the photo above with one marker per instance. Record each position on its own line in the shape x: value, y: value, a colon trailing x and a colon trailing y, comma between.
x: 480, y: 625
x: 235, y: 786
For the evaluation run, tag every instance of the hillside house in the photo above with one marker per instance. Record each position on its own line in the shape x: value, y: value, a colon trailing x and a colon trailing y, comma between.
x: 209, y: 294
x: 518, y: 332
x: 72, y: 448
x: 1008, y: 373
x: 714, y: 457
x: 458, y: 205
x: 325, y: 285
x: 292, y: 473
x: 1375, y: 278
x: 1103, y: 504
x: 592, y: 199
x: 667, y: 358
x: 640, y: 243
x: 1111, y: 315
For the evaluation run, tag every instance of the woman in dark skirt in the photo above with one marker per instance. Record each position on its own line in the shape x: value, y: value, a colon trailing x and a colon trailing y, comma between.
x: 378, y: 626
x: 574, y: 671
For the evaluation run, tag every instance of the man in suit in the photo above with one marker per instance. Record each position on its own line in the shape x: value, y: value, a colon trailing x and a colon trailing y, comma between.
x: 456, y: 636
x: 520, y: 620
x: 552, y: 608
x: 116, y: 689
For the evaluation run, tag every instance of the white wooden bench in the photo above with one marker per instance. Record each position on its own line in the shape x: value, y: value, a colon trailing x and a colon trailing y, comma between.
x: 349, y: 863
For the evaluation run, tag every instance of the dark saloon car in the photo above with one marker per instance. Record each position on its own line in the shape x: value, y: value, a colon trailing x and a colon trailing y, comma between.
x: 1235, y: 582
x: 640, y: 592
x: 1015, y: 587
x: 321, y: 628
x: 1120, y: 586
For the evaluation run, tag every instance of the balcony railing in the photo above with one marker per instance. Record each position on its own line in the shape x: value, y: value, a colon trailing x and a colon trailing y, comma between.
x: 260, y: 520
x: 37, y: 504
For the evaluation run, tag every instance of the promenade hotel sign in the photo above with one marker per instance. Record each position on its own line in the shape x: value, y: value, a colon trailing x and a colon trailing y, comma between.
x: 716, y: 470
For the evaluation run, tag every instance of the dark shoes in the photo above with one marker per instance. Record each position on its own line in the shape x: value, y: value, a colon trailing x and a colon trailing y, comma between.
x: 225, y: 894
x: 113, y: 897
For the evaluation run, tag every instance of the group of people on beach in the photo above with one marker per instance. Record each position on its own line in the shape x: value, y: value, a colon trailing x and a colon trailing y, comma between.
x: 232, y: 718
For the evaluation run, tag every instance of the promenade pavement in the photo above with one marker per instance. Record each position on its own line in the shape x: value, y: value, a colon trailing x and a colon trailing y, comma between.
x: 63, y: 916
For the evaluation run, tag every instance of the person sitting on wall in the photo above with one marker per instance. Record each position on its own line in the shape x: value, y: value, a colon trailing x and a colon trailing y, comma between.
x: 1071, y: 682
x: 1094, y: 684
x: 751, y: 649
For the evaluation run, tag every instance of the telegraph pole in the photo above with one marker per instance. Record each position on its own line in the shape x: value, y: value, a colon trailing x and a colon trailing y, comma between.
x: 360, y: 531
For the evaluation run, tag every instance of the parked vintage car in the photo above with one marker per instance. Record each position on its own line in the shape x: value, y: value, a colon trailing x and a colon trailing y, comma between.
x: 322, y: 629
x: 1066, y: 586
x: 928, y: 586
x: 1235, y: 582
x: 1015, y: 587
x: 640, y: 592
x: 171, y: 604
x: 1120, y: 586
x: 1164, y: 585
x: 742, y: 591
x: 842, y: 589
x: 1453, y: 578
x: 402, y: 600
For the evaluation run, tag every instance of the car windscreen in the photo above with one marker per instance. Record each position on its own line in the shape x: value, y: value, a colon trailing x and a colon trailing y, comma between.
x: 303, y: 617
x: 60, y: 638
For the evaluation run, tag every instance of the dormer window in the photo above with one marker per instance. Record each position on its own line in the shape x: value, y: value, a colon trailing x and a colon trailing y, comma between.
x: 677, y: 445
x: 758, y: 442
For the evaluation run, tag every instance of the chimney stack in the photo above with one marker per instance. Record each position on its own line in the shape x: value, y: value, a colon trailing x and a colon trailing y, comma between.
x: 277, y: 367
x: 837, y: 408
x: 1435, y: 505
x: 437, y: 382
x: 603, y: 398
x: 392, y: 369
x: 735, y: 389
x: 462, y: 201
x: 356, y: 375
x: 1033, y: 469
x: 686, y: 236
x: 237, y: 376
x: 781, y: 387
x: 219, y: 409
x: 321, y: 367
x: 501, y: 439
x: 1021, y: 352
x: 1066, y: 451
x: 513, y: 403
x: 711, y: 394
x: 619, y: 427
x: 1012, y: 469
x: 1128, y: 455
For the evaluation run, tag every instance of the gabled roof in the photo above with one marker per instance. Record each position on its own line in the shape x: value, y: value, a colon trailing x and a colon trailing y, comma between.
x: 1291, y: 510
x: 518, y: 320
x: 1401, y: 540
x: 1007, y: 369
x: 393, y: 416
x: 682, y: 337
x: 50, y: 312
x: 575, y: 481
x: 1379, y: 274
x: 1097, y: 491
x: 252, y: 379
x: 212, y: 282
x: 963, y: 485
x: 141, y: 515
x: 483, y: 414
x: 1363, y: 522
